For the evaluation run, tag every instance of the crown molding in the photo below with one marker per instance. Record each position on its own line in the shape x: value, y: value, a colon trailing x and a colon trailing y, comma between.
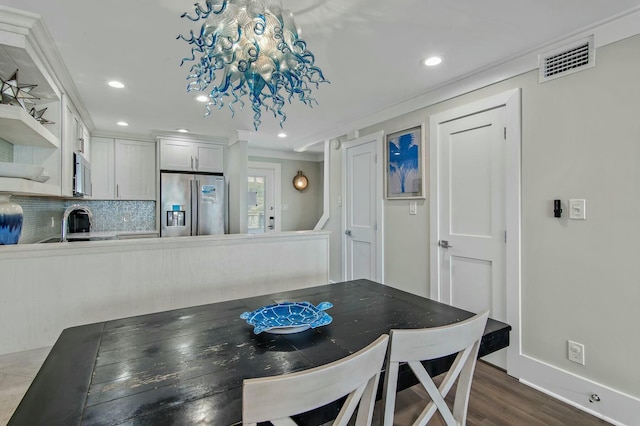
x: 607, y: 31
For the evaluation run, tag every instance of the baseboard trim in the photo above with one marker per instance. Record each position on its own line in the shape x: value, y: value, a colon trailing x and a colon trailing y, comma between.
x: 614, y: 406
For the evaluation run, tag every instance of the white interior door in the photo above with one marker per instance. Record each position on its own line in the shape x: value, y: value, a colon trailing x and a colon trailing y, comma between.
x: 472, y: 214
x: 263, y: 197
x: 363, y: 208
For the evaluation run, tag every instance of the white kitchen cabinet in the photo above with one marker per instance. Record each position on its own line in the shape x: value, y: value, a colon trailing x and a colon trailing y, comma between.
x: 190, y: 156
x: 123, y: 169
x: 209, y: 158
x: 135, y: 170
x: 103, y: 182
x: 75, y: 138
x: 69, y: 145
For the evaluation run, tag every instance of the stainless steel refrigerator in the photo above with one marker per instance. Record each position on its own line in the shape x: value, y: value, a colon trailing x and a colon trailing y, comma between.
x: 192, y: 204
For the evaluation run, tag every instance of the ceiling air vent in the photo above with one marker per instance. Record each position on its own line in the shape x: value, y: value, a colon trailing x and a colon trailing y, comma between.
x: 567, y: 60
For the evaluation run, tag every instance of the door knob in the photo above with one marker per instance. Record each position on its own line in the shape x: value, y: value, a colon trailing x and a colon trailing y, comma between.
x: 347, y: 232
x: 444, y: 244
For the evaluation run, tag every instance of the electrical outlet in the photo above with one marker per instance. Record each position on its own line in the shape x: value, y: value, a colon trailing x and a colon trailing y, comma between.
x: 413, y: 207
x: 575, y: 352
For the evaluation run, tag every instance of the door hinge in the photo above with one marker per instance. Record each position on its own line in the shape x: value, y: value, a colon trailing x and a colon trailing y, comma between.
x: 375, y: 158
x: 505, y: 133
x: 505, y: 236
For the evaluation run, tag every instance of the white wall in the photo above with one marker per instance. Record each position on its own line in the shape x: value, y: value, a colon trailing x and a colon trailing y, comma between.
x: 303, y: 209
x: 580, y: 279
x: 334, y: 224
x: 46, y: 288
x: 236, y: 172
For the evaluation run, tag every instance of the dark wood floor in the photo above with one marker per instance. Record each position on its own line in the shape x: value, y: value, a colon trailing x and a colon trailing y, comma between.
x: 498, y: 399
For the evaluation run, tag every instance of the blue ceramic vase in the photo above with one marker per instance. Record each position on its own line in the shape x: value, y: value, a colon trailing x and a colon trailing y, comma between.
x: 10, y: 220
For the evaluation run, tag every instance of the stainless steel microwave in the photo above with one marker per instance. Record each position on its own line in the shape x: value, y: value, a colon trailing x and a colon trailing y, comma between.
x: 81, y: 176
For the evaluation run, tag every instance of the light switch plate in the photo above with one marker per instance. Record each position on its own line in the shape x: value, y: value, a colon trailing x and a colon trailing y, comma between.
x: 578, y: 209
x: 413, y: 207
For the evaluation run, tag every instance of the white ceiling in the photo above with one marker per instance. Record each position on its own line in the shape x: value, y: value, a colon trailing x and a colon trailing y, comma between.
x: 370, y: 51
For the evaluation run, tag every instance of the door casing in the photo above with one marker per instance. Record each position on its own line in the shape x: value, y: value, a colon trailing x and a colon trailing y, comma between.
x: 375, y: 138
x: 511, y: 101
x: 276, y: 169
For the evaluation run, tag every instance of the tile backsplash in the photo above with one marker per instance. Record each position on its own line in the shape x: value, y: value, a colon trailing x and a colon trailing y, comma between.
x: 110, y: 216
x: 37, y: 213
x: 121, y: 215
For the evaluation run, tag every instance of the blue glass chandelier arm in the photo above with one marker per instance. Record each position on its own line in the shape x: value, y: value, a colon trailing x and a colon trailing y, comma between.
x: 225, y: 84
x: 194, y: 49
x: 198, y: 44
x: 237, y: 99
x: 283, y: 116
x: 188, y: 40
x: 202, y: 13
x: 256, y: 102
x: 208, y: 109
x: 315, y: 71
x: 301, y: 45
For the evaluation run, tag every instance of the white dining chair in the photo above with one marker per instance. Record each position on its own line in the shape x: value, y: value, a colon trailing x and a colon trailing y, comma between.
x: 277, y: 398
x: 415, y: 345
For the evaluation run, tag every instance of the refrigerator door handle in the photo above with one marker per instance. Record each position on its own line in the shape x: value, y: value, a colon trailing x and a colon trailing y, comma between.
x: 194, y: 209
x: 197, y: 204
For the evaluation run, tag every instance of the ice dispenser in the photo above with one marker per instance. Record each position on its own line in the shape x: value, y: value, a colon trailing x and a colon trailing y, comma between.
x: 176, y: 216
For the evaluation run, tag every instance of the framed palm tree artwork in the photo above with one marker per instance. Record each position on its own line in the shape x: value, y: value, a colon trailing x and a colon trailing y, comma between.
x: 404, y: 172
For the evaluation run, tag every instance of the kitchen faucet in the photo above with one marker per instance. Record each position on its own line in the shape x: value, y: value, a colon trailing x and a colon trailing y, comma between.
x: 65, y: 218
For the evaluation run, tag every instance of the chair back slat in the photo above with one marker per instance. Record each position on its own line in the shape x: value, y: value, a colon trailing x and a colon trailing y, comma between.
x: 277, y: 397
x: 431, y: 343
x: 413, y: 346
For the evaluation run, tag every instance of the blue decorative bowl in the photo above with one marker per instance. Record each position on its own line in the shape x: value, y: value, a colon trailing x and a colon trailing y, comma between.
x: 288, y: 317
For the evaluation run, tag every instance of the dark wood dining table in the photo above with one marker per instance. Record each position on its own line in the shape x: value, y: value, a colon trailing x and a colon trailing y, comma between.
x: 186, y: 366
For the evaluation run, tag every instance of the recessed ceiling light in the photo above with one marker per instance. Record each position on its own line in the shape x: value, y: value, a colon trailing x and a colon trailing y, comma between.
x: 434, y: 60
x: 282, y: 135
x: 122, y: 123
x: 183, y: 130
x: 116, y: 84
x: 202, y: 98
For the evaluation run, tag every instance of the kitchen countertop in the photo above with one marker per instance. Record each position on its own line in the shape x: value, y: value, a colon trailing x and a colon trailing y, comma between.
x: 92, y: 236
x: 125, y: 241
x: 106, y: 235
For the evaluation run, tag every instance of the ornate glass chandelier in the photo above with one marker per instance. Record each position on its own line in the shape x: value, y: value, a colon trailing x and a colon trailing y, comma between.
x: 250, y: 47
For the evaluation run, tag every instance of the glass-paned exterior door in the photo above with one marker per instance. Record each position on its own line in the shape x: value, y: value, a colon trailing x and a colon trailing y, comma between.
x: 256, y: 205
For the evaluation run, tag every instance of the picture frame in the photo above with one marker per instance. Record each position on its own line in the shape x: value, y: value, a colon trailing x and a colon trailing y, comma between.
x: 404, y: 174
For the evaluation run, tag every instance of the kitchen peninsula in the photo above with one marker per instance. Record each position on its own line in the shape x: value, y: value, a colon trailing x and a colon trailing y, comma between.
x: 49, y: 287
